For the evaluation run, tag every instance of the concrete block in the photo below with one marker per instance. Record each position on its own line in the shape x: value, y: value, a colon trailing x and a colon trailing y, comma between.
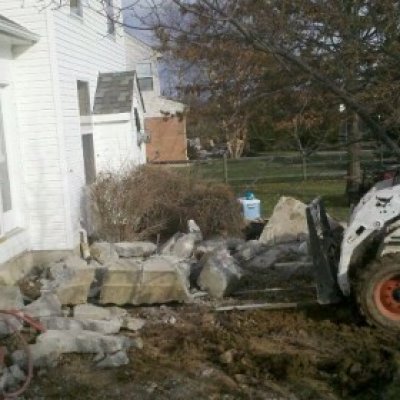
x: 106, y: 327
x: 157, y: 280
x: 72, y: 280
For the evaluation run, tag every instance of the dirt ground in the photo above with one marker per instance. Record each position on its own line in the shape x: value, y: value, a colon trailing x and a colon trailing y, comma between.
x: 193, y: 352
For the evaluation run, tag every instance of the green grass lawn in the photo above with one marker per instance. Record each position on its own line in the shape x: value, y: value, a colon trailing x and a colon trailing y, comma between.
x: 331, y: 191
x: 269, y: 180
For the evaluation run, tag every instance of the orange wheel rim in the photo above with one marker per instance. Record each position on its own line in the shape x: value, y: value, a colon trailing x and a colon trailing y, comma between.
x: 387, y: 297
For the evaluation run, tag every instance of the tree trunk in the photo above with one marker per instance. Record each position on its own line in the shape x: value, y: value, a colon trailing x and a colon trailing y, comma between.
x: 354, y: 177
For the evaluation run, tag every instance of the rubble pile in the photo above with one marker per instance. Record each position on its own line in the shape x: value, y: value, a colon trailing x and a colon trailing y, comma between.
x: 80, y: 300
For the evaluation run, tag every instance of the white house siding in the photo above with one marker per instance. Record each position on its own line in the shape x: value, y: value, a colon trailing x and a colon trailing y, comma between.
x: 41, y: 147
x: 113, y: 143
x: 83, y: 49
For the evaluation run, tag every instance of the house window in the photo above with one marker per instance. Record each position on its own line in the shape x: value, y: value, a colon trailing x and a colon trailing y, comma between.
x: 88, y: 158
x: 145, y: 76
x: 76, y: 7
x: 110, y: 17
x: 84, y: 98
x: 4, y: 173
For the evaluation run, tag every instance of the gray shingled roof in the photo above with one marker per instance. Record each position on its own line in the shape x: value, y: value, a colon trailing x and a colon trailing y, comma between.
x: 11, y: 28
x: 114, y: 93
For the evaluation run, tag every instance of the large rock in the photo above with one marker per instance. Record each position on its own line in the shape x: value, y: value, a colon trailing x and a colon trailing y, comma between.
x: 220, y: 274
x: 72, y: 279
x: 288, y: 223
x: 159, y: 279
x: 135, y: 249
x: 103, y: 252
x: 47, y: 305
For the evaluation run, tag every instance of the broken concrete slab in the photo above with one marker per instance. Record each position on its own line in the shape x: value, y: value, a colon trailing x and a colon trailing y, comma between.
x: 75, y: 341
x: 269, y: 256
x: 157, y: 280
x: 47, y: 305
x: 181, y: 245
x: 92, y: 312
x: 220, y: 274
x: 106, y: 327
x: 72, y: 279
x: 135, y: 249
x: 50, y: 345
x: 103, y: 252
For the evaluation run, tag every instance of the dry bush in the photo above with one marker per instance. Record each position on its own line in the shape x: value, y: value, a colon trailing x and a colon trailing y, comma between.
x: 214, y: 208
x: 146, y: 201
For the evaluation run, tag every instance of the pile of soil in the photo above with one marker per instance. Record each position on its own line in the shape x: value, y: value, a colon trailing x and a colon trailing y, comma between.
x: 192, y: 352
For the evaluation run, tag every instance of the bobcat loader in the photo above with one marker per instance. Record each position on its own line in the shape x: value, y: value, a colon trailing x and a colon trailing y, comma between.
x: 363, y: 260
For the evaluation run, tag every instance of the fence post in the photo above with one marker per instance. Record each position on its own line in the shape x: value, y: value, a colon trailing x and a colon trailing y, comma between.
x: 225, y: 165
x: 304, y: 166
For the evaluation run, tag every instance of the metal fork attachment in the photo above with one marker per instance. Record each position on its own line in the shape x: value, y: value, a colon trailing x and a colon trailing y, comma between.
x: 324, y: 245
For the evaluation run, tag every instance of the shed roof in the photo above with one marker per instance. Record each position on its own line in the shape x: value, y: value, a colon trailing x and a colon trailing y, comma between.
x: 114, y: 92
x: 11, y: 28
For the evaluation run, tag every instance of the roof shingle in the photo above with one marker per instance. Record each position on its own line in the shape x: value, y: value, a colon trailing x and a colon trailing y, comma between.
x: 114, y: 93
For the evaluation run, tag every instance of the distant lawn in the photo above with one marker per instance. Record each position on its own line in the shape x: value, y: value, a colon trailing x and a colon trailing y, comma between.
x: 270, y: 179
x: 331, y: 191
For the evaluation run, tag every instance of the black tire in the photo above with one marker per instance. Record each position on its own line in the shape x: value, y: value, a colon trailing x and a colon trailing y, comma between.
x: 377, y: 297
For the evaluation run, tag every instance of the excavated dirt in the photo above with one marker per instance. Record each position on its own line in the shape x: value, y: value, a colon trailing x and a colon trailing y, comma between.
x: 192, y: 352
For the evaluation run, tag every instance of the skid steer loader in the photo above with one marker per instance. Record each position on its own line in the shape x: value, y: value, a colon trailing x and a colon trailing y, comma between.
x: 363, y: 260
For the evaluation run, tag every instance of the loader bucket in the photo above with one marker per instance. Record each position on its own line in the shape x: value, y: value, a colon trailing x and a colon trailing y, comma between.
x: 324, y: 244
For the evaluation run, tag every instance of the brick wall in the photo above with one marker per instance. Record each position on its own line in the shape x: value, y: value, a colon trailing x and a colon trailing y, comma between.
x: 168, y: 139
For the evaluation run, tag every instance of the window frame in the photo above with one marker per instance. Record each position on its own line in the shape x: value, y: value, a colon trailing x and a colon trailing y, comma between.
x: 145, y: 76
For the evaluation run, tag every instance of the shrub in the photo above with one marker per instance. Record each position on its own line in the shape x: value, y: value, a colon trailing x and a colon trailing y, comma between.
x: 143, y: 202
